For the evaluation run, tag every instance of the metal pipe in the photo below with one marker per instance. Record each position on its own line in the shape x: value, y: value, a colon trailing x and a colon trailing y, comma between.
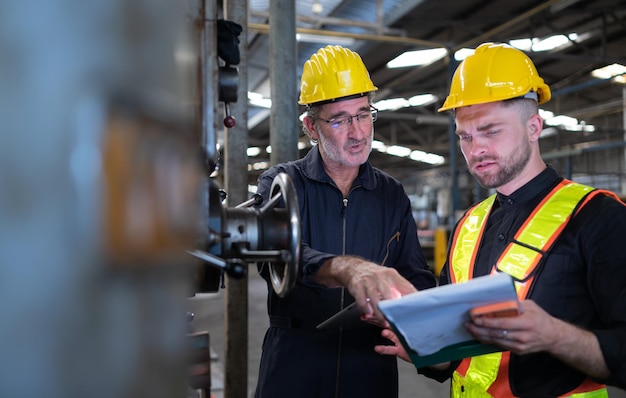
x: 454, y: 174
x: 523, y: 17
x: 264, y: 28
x: 378, y: 27
x: 577, y: 87
x: 580, y: 150
x: 432, y: 119
x: 283, y: 56
x: 379, y: 17
x: 209, y: 73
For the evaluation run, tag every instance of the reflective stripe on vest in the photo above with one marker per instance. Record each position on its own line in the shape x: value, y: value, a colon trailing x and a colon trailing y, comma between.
x: 487, y: 375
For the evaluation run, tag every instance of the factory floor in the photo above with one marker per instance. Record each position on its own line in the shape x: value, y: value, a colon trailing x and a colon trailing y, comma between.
x: 208, y: 310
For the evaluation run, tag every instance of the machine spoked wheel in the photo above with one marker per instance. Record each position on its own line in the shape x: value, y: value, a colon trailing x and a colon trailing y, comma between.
x: 283, y: 275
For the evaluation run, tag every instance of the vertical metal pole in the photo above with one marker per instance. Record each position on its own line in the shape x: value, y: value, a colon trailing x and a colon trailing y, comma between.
x: 236, y: 177
x: 453, y: 158
x: 380, y: 14
x: 208, y: 76
x: 283, y: 55
x: 568, y: 168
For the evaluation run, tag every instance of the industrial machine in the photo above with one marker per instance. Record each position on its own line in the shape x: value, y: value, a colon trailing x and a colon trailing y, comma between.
x: 251, y: 231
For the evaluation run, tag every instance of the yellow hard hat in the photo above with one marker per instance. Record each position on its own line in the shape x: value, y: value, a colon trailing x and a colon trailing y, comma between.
x: 495, y: 72
x: 334, y: 73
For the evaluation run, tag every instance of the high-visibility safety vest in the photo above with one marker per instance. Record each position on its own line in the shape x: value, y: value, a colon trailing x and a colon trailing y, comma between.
x: 488, y: 375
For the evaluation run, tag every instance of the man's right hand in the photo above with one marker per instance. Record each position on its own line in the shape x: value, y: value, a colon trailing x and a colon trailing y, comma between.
x: 366, y: 281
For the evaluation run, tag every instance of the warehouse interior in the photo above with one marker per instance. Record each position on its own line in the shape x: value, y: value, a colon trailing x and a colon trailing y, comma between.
x: 567, y: 40
x: 118, y: 116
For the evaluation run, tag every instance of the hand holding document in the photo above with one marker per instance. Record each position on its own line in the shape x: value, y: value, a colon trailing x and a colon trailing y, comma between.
x: 430, y: 323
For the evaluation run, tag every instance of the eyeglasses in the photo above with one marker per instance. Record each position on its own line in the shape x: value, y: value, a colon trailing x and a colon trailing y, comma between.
x: 342, y: 122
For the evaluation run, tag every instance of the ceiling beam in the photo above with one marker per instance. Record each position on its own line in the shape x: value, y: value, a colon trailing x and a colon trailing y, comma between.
x: 265, y: 28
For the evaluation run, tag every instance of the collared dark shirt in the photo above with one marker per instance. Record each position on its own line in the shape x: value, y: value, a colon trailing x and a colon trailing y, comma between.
x: 582, y: 280
x: 374, y: 222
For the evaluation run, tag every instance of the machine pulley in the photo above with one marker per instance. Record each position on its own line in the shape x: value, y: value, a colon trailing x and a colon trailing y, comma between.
x: 245, y: 234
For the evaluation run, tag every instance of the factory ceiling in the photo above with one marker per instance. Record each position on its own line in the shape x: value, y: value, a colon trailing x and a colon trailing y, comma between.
x: 594, y: 34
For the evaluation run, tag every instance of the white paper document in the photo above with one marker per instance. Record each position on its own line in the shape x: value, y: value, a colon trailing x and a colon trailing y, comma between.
x: 432, y: 319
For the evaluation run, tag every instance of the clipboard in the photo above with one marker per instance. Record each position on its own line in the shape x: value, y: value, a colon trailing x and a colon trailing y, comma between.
x: 453, y: 352
x: 349, y: 317
x: 430, y: 323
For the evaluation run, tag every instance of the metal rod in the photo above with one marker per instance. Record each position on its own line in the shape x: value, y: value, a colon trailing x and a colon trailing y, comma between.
x: 209, y: 72
x: 523, y: 17
x: 283, y: 78
x: 255, y: 200
x: 235, y: 172
x: 378, y: 27
x: 264, y: 28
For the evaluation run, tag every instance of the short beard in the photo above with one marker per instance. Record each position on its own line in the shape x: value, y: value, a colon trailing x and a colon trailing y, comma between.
x: 335, y: 153
x: 508, y: 171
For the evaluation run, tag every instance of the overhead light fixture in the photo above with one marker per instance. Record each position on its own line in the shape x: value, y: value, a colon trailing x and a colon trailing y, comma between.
x: 417, y: 58
x: 253, y: 151
x: 392, y: 104
x: 555, y: 42
x: 422, y: 99
x: 426, y: 157
x: 317, y: 8
x: 258, y: 166
x: 378, y: 146
x: 582, y: 126
x: 463, y: 53
x: 404, y: 152
x: 325, y: 39
x: 397, y: 150
x: 257, y: 99
x: 554, y: 8
x: 561, y: 120
x: 617, y: 72
x: 550, y: 43
x: 564, y: 122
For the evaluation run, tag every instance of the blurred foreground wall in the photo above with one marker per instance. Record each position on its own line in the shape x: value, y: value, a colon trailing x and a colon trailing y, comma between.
x: 97, y: 196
